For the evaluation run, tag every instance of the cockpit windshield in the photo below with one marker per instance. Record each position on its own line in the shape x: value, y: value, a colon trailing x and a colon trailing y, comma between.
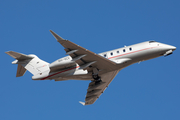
x: 152, y: 41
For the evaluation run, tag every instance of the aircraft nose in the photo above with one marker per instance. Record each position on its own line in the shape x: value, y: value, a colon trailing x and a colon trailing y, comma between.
x: 172, y: 47
x: 169, y: 47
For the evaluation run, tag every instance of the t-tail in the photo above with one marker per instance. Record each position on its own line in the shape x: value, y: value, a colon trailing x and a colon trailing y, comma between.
x: 31, y: 63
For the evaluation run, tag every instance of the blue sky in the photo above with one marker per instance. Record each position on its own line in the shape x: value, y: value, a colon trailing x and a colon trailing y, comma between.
x: 145, y: 91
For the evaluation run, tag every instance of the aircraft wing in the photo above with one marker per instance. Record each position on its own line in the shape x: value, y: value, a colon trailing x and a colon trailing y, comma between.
x: 89, y: 60
x: 96, y: 89
x: 85, y: 58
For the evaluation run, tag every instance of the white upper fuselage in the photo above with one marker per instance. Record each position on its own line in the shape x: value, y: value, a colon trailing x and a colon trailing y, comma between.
x: 65, y: 68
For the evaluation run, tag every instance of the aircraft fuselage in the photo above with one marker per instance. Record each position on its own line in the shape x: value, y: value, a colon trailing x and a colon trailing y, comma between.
x: 66, y: 68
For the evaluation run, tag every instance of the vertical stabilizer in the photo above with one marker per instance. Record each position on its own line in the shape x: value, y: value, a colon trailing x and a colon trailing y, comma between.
x: 28, y: 62
x: 20, y: 70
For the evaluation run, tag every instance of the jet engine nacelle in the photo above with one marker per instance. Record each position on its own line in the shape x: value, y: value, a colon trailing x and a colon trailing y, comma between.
x: 62, y: 63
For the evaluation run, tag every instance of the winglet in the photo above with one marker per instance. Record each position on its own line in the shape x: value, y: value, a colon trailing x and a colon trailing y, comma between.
x: 83, y: 103
x: 58, y: 38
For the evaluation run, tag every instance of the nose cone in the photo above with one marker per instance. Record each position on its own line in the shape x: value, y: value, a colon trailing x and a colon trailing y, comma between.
x: 169, y: 47
x: 172, y: 47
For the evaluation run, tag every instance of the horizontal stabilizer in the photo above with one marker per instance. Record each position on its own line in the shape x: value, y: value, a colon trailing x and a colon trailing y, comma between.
x: 18, y: 56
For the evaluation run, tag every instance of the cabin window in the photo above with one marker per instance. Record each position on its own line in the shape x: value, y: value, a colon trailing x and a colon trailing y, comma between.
x: 111, y: 54
x: 130, y: 48
x: 104, y: 55
x: 118, y: 52
x: 124, y: 50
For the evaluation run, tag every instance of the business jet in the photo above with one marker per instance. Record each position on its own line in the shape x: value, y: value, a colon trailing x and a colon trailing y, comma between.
x: 82, y: 64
